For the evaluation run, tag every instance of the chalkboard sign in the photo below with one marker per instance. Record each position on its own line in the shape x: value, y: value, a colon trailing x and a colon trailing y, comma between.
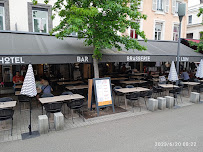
x: 103, y: 93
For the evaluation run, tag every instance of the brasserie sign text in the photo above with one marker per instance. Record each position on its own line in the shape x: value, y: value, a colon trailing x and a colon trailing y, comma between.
x: 138, y: 58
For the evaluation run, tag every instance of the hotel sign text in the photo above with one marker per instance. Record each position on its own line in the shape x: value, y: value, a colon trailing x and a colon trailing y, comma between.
x: 11, y: 60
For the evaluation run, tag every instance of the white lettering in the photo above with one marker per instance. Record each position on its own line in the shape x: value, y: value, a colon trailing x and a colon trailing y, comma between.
x: 21, y: 60
x: 7, y: 60
x: 12, y: 59
x: 78, y: 59
x: 2, y: 60
x: 17, y: 59
x: 86, y: 59
x: 183, y: 59
x: 138, y: 58
x: 82, y: 59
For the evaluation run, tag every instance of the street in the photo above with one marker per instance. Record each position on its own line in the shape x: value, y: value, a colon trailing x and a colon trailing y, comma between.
x: 179, y: 130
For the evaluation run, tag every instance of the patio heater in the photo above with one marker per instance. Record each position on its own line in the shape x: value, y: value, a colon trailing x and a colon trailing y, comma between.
x: 181, y: 14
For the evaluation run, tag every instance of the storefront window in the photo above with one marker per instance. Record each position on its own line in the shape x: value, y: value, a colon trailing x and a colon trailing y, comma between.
x: 1, y: 18
x: 40, y: 21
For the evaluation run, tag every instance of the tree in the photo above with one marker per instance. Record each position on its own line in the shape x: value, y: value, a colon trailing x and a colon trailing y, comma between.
x: 99, y: 21
x: 200, y: 44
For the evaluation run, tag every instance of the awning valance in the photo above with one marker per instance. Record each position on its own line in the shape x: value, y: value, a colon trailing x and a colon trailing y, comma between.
x: 22, y: 48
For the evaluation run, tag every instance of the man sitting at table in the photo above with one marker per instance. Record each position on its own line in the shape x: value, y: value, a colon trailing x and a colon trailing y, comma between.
x: 46, y: 88
x: 18, y: 78
x: 185, y: 76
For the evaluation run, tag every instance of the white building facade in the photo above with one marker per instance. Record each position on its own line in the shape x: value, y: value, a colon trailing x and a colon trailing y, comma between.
x: 22, y: 15
x: 194, y: 24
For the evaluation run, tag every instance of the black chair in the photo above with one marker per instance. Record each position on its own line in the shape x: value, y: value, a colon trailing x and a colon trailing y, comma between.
x: 117, y: 93
x: 6, y: 114
x: 134, y: 97
x: 129, y: 86
x: 176, y: 92
x: 45, y: 96
x: 67, y: 93
x: 6, y: 99
x: 52, y: 108
x: 146, y: 94
x: 76, y: 105
x: 24, y: 99
x: 157, y: 91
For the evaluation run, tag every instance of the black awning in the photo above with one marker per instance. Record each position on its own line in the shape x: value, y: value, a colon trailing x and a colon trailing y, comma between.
x: 22, y: 48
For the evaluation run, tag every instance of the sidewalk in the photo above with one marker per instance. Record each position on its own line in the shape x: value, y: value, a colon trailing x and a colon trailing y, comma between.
x: 21, y: 121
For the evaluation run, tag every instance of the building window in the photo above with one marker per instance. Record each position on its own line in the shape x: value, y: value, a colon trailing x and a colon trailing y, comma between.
x: 190, y: 19
x: 176, y: 9
x: 158, y: 31
x: 160, y: 5
x: 175, y: 32
x: 133, y: 34
x: 190, y: 35
x: 2, y: 17
x: 40, y: 20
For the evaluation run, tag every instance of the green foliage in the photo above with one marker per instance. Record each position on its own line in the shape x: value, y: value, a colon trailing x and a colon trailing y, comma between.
x: 99, y: 21
x: 200, y: 44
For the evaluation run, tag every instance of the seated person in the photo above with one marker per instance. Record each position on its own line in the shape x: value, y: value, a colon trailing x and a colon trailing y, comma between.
x: 39, y: 84
x: 18, y: 78
x: 162, y: 79
x: 46, y: 88
x: 185, y: 76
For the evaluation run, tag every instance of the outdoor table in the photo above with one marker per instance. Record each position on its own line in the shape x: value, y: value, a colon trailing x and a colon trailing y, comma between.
x: 138, y: 74
x: 18, y: 86
x: 17, y: 93
x: 133, y: 82
x: 138, y: 77
x: 129, y: 90
x: 190, y: 86
x: 71, y: 82
x: 60, y: 98
x: 121, y: 78
x: 156, y: 76
x: 77, y: 87
x: 167, y: 87
x: 8, y: 104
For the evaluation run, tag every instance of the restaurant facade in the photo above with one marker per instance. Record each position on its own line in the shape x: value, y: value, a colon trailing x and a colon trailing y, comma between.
x: 70, y: 58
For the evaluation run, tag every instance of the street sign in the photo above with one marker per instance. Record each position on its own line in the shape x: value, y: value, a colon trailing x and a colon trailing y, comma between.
x: 103, y: 93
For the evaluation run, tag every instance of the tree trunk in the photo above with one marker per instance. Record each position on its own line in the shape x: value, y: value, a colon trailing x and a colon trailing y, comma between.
x: 96, y: 68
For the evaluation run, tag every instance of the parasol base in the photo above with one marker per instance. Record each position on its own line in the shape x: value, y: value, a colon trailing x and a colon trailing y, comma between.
x: 28, y: 136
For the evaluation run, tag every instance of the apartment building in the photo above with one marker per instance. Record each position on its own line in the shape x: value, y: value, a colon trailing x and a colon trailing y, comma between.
x: 162, y: 22
x: 194, y: 24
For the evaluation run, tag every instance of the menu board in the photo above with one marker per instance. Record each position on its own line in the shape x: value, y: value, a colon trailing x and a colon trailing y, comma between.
x: 103, y: 92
